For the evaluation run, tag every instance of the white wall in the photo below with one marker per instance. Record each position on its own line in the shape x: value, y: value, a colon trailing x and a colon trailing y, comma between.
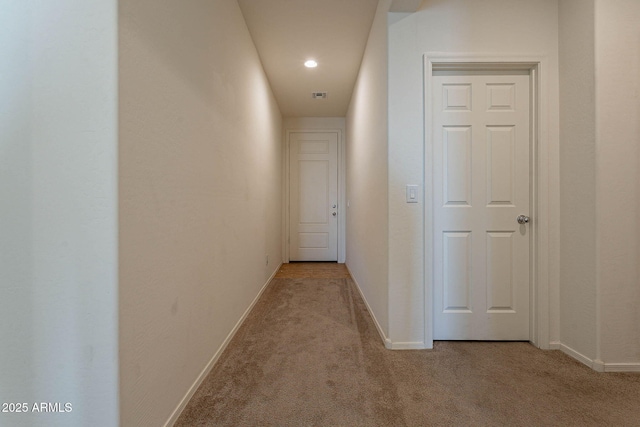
x: 600, y: 163
x: 578, y: 293
x: 58, y: 207
x: 367, y: 211
x: 200, y: 193
x: 617, y: 47
x: 501, y: 27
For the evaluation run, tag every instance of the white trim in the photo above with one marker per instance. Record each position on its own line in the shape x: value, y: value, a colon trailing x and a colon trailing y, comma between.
x: 387, y: 342
x: 577, y: 355
x: 428, y: 203
x: 406, y: 346
x: 342, y: 197
x: 194, y: 387
x: 342, y: 207
x: 622, y: 367
x: 285, y: 197
x: 540, y: 314
x: 417, y: 345
x: 596, y: 365
x: 285, y: 209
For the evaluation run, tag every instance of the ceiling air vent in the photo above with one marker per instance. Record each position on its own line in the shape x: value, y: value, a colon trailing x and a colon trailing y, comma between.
x: 319, y: 95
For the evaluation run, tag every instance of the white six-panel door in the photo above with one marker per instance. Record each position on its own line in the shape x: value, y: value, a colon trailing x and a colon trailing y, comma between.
x: 313, y: 196
x: 481, y: 185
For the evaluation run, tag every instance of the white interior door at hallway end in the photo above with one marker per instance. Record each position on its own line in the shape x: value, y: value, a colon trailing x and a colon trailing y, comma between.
x: 481, y: 151
x: 313, y: 197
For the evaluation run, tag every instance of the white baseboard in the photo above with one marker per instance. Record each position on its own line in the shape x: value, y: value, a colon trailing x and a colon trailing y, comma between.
x: 387, y: 342
x: 596, y: 365
x: 622, y: 367
x: 183, y: 403
x: 554, y: 345
x: 407, y: 346
x: 577, y: 355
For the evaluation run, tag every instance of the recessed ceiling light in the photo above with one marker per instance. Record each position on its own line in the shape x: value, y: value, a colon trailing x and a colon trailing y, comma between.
x: 311, y: 64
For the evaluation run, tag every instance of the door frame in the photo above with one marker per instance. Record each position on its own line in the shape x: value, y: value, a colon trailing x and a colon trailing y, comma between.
x: 287, y: 187
x: 539, y: 333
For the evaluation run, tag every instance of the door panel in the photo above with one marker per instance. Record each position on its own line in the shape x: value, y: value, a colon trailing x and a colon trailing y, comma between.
x: 501, y: 165
x: 457, y: 162
x: 500, y: 278
x: 313, y: 195
x: 313, y: 189
x: 482, y: 169
x: 457, y: 269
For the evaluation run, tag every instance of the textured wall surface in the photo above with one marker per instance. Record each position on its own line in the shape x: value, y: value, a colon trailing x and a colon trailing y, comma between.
x: 600, y: 136
x: 578, y: 291
x: 58, y: 212
x: 367, y: 213
x: 200, y: 193
x: 617, y: 35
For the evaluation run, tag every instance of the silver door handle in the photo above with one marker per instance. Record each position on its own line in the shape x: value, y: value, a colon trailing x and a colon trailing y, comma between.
x: 522, y: 219
x: 334, y: 214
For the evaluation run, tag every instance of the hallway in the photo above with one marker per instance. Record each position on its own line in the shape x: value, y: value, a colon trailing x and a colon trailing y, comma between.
x: 145, y: 197
x: 309, y: 355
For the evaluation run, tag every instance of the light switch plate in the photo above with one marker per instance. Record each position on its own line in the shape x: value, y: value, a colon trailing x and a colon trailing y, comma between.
x: 412, y: 194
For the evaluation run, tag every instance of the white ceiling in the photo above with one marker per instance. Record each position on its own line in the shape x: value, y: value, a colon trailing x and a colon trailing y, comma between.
x: 288, y: 32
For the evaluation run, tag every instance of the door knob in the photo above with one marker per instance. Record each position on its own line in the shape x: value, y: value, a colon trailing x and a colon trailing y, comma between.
x: 334, y: 214
x: 522, y: 219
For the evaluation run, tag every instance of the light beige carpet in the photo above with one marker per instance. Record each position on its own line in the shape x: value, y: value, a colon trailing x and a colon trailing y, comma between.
x: 309, y: 355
